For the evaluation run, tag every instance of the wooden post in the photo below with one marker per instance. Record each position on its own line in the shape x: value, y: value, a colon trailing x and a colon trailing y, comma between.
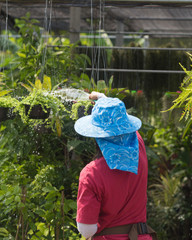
x: 75, y: 24
x: 0, y: 16
x: 119, y: 37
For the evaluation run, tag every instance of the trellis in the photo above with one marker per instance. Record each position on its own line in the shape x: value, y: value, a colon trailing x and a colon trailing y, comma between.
x: 74, y: 18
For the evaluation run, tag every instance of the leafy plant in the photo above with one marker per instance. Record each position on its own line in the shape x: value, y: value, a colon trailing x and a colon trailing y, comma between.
x: 8, y: 102
x: 47, y: 102
x: 90, y: 85
x: 35, y: 58
x: 184, y: 100
x: 80, y: 109
x: 3, y: 89
x: 169, y: 180
x: 37, y: 187
x: 101, y: 39
x: 164, y: 199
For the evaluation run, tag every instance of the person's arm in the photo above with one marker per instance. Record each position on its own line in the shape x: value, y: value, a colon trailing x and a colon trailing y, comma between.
x: 87, y: 230
x: 96, y: 95
x: 88, y: 203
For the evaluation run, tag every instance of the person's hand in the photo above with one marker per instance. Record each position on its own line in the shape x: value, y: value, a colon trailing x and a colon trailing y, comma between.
x: 96, y: 95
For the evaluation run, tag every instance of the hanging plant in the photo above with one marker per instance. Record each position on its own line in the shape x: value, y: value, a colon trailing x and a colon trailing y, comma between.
x: 37, y: 111
x: 8, y: 106
x: 80, y: 109
x: 49, y: 108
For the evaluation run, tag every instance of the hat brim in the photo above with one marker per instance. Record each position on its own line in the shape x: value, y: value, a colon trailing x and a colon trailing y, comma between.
x: 84, y: 127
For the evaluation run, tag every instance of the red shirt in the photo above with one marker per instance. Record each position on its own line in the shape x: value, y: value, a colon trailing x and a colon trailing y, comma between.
x: 112, y: 197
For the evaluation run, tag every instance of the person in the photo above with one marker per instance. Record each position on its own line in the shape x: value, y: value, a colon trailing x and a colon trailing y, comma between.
x: 112, y: 192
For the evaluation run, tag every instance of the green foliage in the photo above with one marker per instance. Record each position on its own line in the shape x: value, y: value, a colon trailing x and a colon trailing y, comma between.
x: 3, y: 91
x: 39, y: 167
x: 101, y: 39
x: 100, y: 86
x: 165, y: 192
x: 184, y: 100
x: 80, y: 106
x: 164, y: 199
x: 35, y: 58
x: 47, y: 102
x: 9, y: 102
x: 37, y: 187
x: 169, y: 179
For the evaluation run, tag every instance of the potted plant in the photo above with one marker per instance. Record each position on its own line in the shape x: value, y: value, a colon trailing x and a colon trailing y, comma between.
x: 8, y: 105
x: 81, y: 108
x: 39, y: 104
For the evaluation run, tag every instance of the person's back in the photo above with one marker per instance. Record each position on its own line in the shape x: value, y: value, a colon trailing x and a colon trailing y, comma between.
x: 112, y: 193
x: 121, y: 196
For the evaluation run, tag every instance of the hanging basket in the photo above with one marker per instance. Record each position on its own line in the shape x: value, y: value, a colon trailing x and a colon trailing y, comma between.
x: 3, y: 113
x: 82, y: 112
x: 37, y: 112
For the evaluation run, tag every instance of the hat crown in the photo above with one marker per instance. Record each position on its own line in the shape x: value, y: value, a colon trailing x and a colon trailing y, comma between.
x: 109, y: 112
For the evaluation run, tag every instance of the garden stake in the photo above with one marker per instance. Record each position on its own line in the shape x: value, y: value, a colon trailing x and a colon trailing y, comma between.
x: 57, y: 231
x: 21, y: 221
x: 23, y: 200
x: 66, y: 154
x: 18, y: 226
x: 62, y: 210
x: 26, y: 229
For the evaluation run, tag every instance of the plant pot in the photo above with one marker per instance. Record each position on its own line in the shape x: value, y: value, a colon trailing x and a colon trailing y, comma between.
x: 3, y: 113
x: 37, y: 112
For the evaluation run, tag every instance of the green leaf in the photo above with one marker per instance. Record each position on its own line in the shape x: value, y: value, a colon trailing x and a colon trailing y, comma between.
x: 110, y: 82
x: 33, y: 85
x: 46, y: 232
x: 85, y: 77
x: 101, y: 85
x: 4, y: 92
x: 38, y: 84
x: 85, y: 84
x: 49, y: 189
x: 187, y: 127
x: 58, y: 53
x: 47, y: 83
x: 72, y: 204
x: 22, y: 55
x: 93, y: 82
x: 30, y: 232
x: 40, y: 212
x: 17, y: 199
x: 26, y: 86
x: 4, y: 232
x: 56, y: 86
x: 41, y: 227
x: 72, y: 144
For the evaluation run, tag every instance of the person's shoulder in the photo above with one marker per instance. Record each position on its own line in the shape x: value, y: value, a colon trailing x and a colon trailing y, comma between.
x: 140, y: 139
x: 94, y: 168
x: 95, y: 165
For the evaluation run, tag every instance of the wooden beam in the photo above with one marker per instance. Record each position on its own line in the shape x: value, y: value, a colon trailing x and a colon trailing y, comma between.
x: 75, y: 24
x: 107, y: 2
x: 119, y: 36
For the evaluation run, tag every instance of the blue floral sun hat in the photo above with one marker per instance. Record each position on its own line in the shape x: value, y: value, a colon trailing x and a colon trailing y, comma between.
x: 108, y: 118
x: 115, y: 133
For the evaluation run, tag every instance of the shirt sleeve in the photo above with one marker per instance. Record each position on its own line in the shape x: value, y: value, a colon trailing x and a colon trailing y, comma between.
x: 87, y: 230
x: 88, y: 204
